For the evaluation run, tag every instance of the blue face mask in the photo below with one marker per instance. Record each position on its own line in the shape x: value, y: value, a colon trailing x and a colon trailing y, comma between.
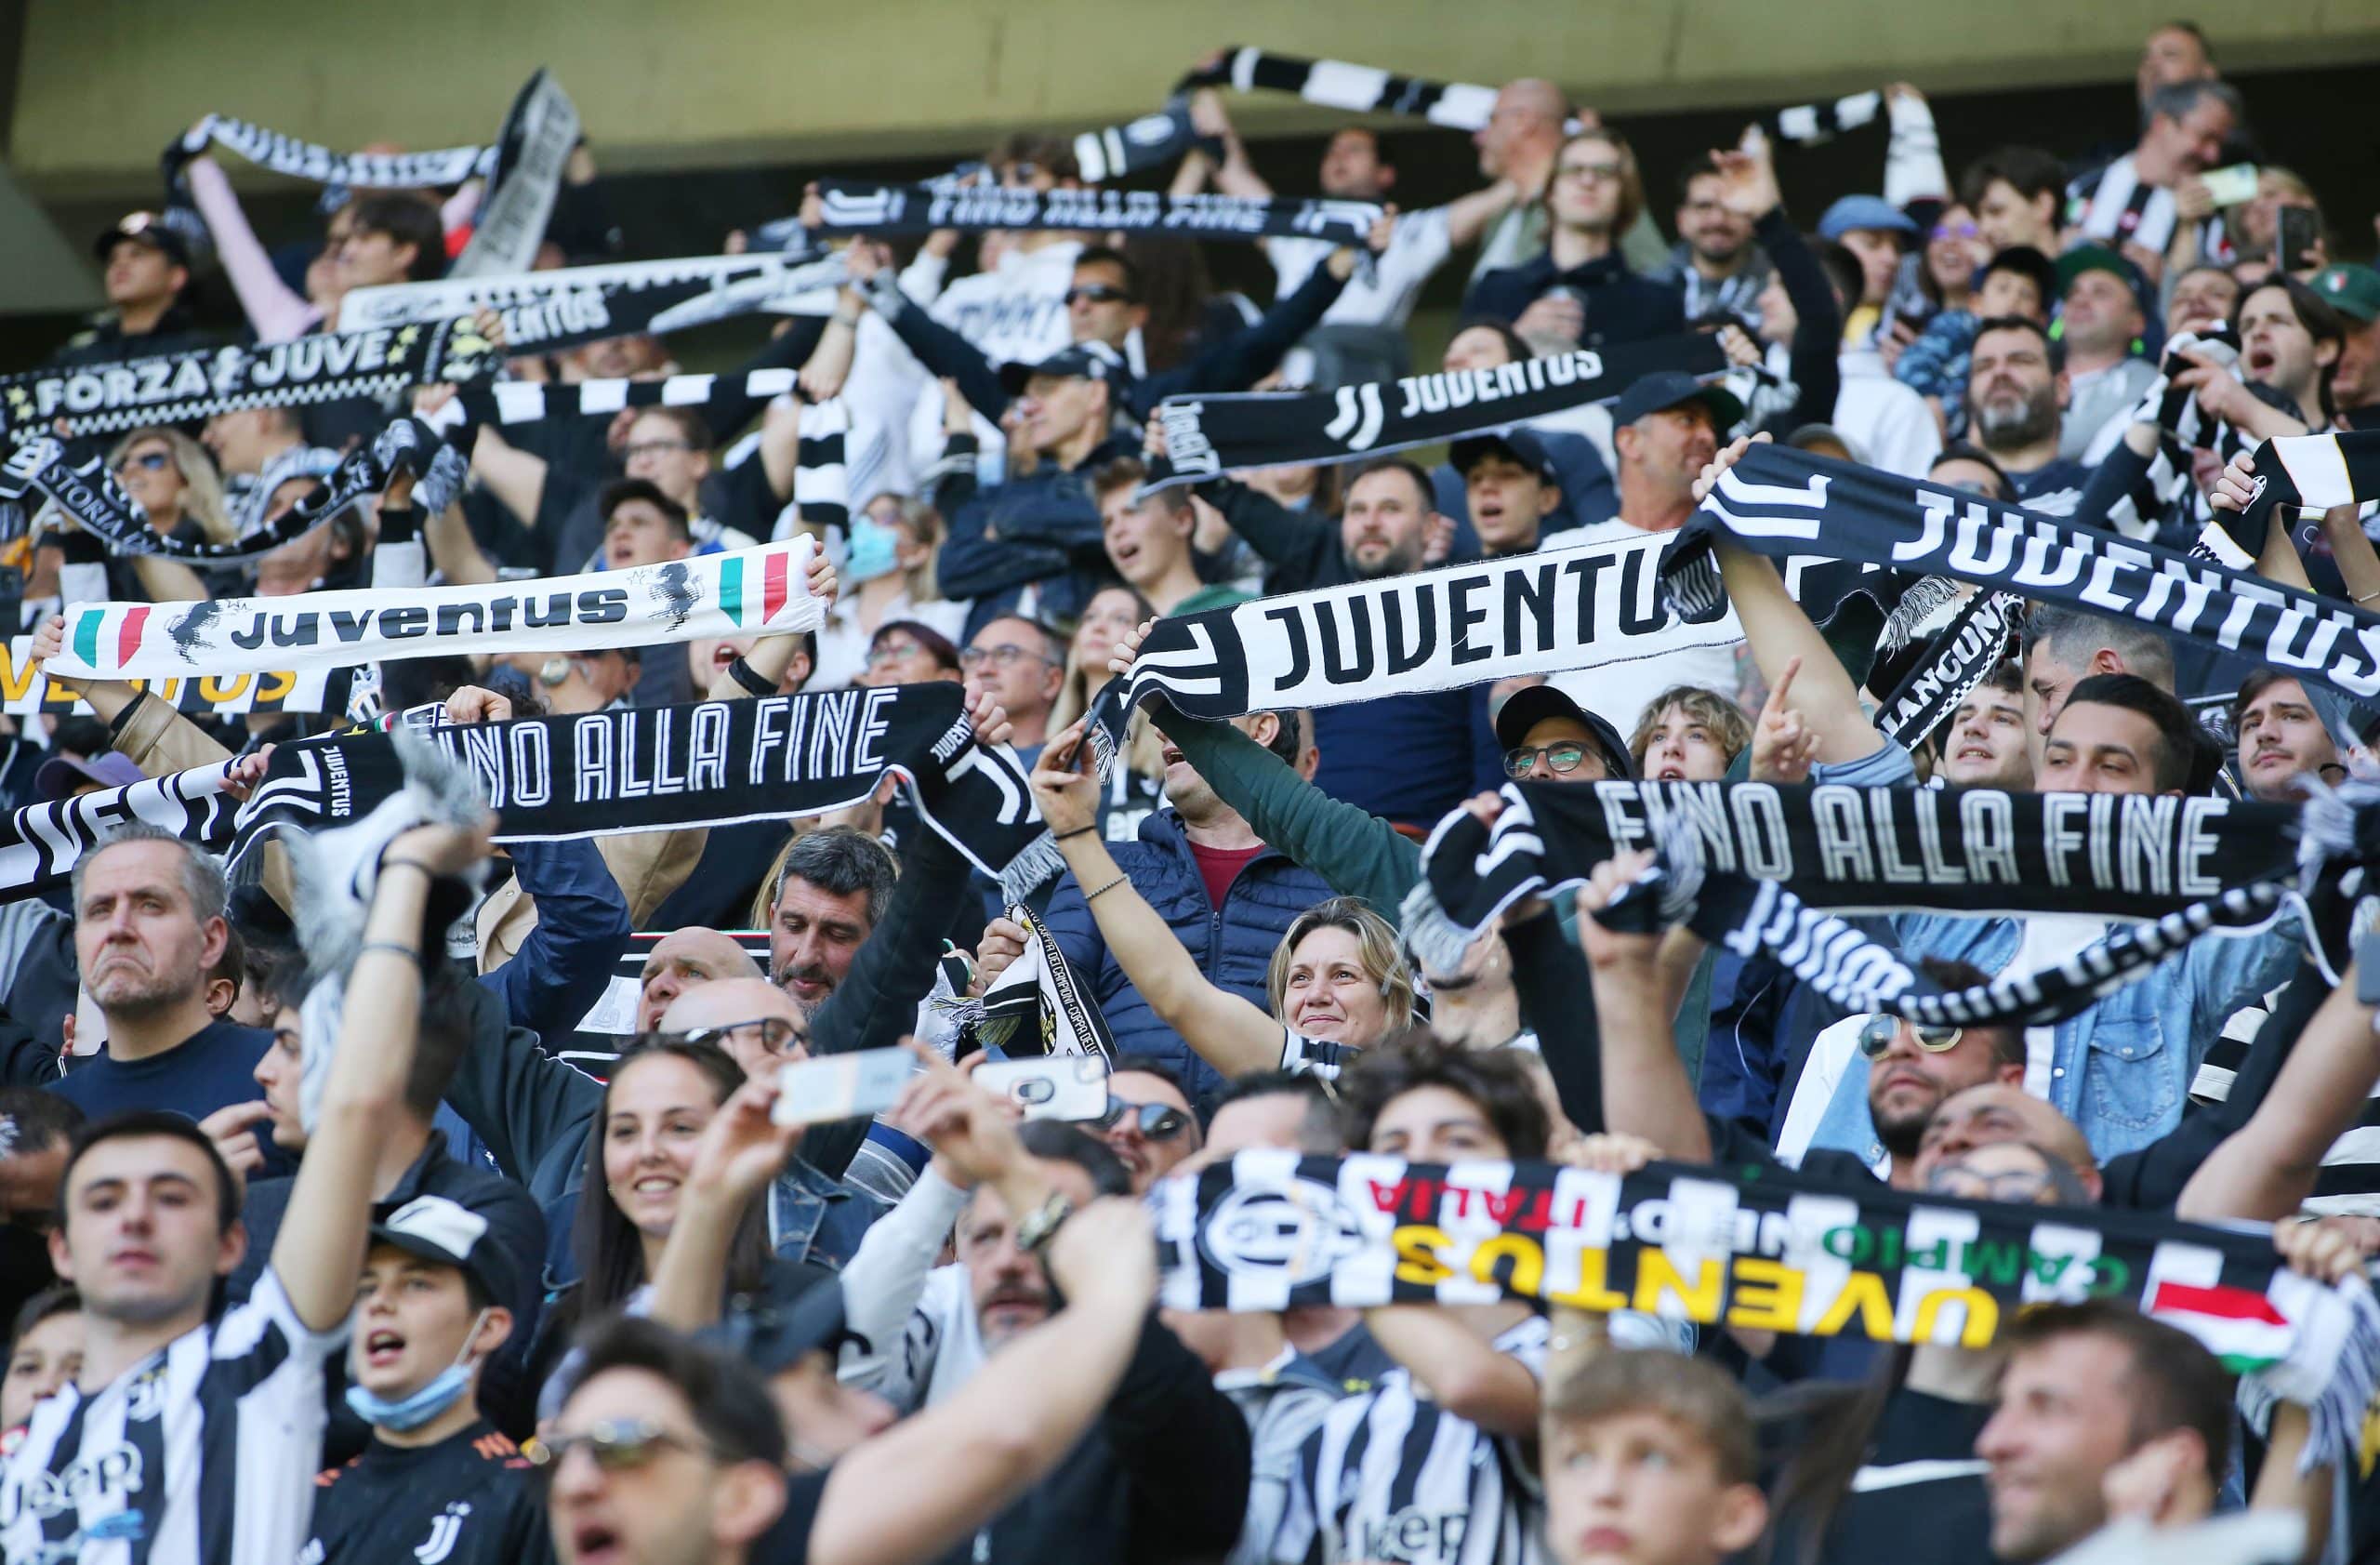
x: 413, y: 1410
x: 874, y: 550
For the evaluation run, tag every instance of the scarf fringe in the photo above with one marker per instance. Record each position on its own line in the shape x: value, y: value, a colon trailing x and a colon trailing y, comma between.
x: 1039, y: 864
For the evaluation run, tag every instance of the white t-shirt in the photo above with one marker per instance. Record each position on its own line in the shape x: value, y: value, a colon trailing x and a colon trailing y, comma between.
x: 1619, y: 693
x: 1418, y: 247
x: 1890, y: 423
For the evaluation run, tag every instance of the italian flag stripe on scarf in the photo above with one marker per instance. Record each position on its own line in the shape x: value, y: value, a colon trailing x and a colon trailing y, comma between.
x: 2237, y: 1325
x: 89, y: 622
x: 752, y: 598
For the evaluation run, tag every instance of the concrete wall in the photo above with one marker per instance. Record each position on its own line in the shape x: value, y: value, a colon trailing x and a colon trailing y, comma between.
x: 721, y: 82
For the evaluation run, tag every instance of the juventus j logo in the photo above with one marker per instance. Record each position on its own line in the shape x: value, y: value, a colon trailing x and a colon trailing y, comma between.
x: 444, y: 1532
x: 1359, y: 410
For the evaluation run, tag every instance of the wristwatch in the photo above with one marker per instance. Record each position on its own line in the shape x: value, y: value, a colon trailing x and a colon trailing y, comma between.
x: 1036, y: 1227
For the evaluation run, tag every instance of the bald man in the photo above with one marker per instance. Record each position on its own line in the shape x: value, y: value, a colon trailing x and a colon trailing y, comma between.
x: 756, y: 1021
x: 1523, y: 133
x: 679, y: 960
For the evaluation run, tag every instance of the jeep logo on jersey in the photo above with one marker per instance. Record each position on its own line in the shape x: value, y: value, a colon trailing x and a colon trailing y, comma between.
x: 1296, y: 1232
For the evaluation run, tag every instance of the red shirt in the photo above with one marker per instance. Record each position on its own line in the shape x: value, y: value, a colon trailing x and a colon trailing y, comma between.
x: 1220, y: 867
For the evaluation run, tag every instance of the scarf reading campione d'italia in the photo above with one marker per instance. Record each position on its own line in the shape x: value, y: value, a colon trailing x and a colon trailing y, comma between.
x: 1783, y: 503
x: 544, y: 311
x: 179, y: 388
x: 750, y: 592
x: 2175, y: 868
x: 858, y: 207
x: 1207, y: 436
x: 1770, y: 1249
x: 659, y: 768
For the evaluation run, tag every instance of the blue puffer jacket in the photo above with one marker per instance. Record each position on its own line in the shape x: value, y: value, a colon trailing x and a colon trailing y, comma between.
x: 1234, y: 944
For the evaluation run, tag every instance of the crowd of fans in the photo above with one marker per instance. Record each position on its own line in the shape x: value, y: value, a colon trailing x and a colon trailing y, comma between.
x: 456, y: 1296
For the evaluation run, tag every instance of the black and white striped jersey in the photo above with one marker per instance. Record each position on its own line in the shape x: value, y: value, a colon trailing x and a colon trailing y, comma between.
x: 2349, y: 1183
x: 204, y: 1453
x: 1389, y: 1476
x: 2113, y: 207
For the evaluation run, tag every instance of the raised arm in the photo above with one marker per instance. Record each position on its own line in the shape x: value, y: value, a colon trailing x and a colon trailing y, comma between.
x: 1644, y: 1089
x: 274, y: 310
x: 944, y: 353
x: 1228, y: 1032
x: 320, y: 1248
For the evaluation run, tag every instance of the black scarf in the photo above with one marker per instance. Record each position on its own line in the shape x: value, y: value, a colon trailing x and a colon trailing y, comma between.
x: 179, y: 388
x: 2317, y: 472
x: 705, y: 763
x: 1952, y: 661
x: 88, y: 493
x: 1037, y: 1005
x: 41, y: 843
x: 305, y: 160
x: 859, y: 206
x: 1118, y: 152
x: 523, y: 179
x: 1207, y: 436
x: 1767, y: 1249
x: 545, y: 312
x: 1726, y: 853
x: 1361, y: 89
x: 1780, y: 502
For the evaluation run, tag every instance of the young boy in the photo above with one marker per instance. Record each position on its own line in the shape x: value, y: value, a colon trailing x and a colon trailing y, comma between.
x: 1648, y: 1460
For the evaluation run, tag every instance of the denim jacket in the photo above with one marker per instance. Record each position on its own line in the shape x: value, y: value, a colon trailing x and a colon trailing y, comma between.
x: 815, y: 1218
x: 2122, y: 1069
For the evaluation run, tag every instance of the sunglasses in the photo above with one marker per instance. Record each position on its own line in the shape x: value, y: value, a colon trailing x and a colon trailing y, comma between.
x: 1097, y: 293
x: 1876, y: 1036
x: 772, y: 1033
x: 617, y: 1445
x: 1564, y: 757
x: 152, y: 461
x: 1154, y: 1120
x: 1955, y: 231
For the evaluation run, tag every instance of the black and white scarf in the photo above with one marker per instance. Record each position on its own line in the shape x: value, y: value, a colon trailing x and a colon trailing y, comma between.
x: 179, y: 388
x: 750, y: 591
x: 545, y: 312
x: 525, y: 178
x: 1781, y: 502
x: 41, y: 843
x: 857, y: 207
x: 305, y: 160
x: 1360, y: 89
x: 1037, y: 1005
x: 661, y: 768
x: 1960, y: 646
x: 2317, y: 473
x: 1118, y: 151
x: 836, y: 462
x: 90, y: 494
x: 1207, y: 436
x: 1769, y: 1248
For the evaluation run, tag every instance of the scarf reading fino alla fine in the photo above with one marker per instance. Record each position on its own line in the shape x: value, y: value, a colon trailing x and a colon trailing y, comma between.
x: 1768, y: 1249
x: 179, y: 388
x: 857, y: 207
x: 751, y: 592
x: 660, y: 768
x: 1207, y: 435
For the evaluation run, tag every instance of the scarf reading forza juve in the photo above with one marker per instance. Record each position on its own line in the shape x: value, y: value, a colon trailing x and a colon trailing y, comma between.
x: 705, y: 763
x: 856, y: 207
x: 1767, y: 1250
x: 1782, y: 502
x: 179, y: 388
x: 751, y: 592
x: 1207, y: 436
x: 1725, y: 852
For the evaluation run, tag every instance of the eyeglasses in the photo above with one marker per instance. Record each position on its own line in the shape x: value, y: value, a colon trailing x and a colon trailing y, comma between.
x: 2017, y: 1186
x: 888, y: 651
x: 1097, y: 293
x: 651, y: 448
x: 1006, y: 656
x: 617, y: 1445
x: 772, y: 1033
x: 1564, y: 757
x: 1876, y: 1036
x: 1154, y: 1120
x: 1956, y: 230
x: 152, y: 461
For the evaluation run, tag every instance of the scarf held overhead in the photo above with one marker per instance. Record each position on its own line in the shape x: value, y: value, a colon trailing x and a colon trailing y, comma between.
x: 751, y: 592
x: 524, y: 176
x: 659, y: 768
x: 1780, y: 502
x: 41, y: 843
x: 179, y: 388
x: 1207, y: 436
x: 305, y: 160
x: 856, y: 207
x: 1763, y: 1249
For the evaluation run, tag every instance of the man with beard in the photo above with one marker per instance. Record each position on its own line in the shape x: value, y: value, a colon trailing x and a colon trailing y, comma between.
x: 2016, y: 395
x: 829, y: 898
x: 2281, y: 737
x: 1409, y: 759
x: 1716, y: 262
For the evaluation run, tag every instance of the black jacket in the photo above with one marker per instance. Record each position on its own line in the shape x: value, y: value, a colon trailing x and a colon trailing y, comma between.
x: 466, y: 1501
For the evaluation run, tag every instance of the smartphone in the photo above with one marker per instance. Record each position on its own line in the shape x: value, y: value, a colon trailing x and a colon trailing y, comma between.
x: 840, y: 1086
x: 2230, y: 187
x: 2294, y: 233
x: 1054, y: 1087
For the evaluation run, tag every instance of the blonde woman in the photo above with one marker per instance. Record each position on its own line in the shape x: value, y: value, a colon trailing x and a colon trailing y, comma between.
x: 1338, y: 984
x: 173, y: 480
x: 1689, y: 734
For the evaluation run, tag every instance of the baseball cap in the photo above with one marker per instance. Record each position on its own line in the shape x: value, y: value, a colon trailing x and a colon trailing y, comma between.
x: 445, y: 1231
x: 1863, y: 211
x: 2094, y: 257
x: 1671, y: 388
x: 149, y: 229
x: 1529, y: 707
x: 59, y: 773
x: 1089, y: 361
x: 1517, y: 444
x: 2351, y: 290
